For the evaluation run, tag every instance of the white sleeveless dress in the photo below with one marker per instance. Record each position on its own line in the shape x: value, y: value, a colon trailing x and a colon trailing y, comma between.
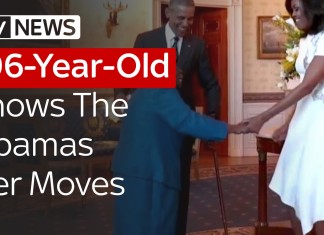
x: 299, y: 175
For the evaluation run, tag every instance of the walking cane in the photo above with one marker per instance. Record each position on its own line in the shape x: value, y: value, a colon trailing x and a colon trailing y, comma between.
x: 219, y: 188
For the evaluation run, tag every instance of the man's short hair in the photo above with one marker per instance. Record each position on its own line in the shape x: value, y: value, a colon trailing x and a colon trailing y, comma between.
x: 181, y: 2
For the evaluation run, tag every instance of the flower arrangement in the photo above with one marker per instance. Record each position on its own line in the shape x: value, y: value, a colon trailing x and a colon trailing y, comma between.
x: 288, y: 70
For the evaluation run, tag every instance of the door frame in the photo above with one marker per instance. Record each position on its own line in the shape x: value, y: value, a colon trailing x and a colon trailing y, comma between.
x: 235, y: 68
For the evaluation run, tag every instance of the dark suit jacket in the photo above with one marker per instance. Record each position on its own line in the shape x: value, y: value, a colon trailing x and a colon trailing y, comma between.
x: 152, y: 133
x: 193, y: 59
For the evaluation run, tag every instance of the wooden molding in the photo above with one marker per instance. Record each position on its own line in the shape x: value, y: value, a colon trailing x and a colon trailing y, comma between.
x: 270, y: 97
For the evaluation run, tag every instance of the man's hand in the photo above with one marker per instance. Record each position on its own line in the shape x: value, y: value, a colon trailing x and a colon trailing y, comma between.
x: 179, y: 76
x: 212, y: 115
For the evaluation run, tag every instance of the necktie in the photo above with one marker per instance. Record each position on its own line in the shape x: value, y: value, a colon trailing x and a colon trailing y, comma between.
x: 175, y: 45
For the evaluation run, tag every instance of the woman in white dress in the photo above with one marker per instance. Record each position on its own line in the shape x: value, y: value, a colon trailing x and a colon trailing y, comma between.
x: 299, y: 175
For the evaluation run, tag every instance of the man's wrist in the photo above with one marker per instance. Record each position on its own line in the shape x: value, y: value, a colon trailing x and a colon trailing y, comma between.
x: 213, y: 115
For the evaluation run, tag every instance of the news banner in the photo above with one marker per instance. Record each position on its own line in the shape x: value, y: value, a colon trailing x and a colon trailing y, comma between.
x: 76, y: 67
x: 87, y: 68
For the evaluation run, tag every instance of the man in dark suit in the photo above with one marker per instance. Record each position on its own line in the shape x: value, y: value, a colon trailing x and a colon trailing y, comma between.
x: 192, y: 59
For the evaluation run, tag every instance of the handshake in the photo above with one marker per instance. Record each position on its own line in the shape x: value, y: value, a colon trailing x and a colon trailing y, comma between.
x: 252, y: 125
x: 240, y: 128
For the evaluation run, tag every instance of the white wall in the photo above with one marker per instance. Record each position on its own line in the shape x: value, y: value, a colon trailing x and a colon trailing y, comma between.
x: 252, y: 109
x: 136, y: 18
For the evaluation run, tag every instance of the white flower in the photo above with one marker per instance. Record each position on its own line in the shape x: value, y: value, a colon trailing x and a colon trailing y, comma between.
x: 292, y: 51
x: 281, y: 85
x: 289, y: 51
x: 276, y: 17
x: 291, y: 22
x: 295, y: 50
x: 290, y: 58
x: 288, y: 70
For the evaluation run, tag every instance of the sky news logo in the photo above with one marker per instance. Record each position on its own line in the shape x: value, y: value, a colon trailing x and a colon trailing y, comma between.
x: 40, y: 27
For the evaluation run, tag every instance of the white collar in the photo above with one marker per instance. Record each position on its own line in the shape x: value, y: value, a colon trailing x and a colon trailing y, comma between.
x: 169, y: 34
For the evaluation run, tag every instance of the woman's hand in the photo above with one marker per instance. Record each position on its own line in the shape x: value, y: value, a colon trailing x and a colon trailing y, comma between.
x: 239, y: 128
x: 280, y: 134
x: 254, y: 124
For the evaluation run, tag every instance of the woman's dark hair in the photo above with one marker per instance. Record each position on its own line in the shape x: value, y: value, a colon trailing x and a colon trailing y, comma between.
x: 288, y: 7
x: 314, y: 10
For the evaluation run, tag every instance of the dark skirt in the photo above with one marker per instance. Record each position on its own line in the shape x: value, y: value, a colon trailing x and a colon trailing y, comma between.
x: 146, y: 208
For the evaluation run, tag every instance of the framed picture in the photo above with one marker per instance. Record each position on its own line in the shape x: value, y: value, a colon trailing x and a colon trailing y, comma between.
x: 271, y: 39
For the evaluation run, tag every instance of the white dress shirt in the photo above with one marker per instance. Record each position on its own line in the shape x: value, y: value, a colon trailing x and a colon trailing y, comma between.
x: 169, y: 34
